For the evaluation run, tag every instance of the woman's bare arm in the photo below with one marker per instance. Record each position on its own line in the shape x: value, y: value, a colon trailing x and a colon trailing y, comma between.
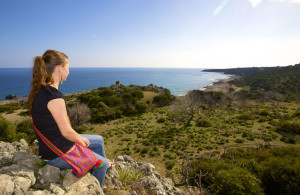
x: 57, y: 107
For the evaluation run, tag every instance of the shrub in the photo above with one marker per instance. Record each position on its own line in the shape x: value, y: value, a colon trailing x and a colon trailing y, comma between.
x: 240, y: 141
x: 106, y: 92
x: 203, y: 123
x: 81, y: 129
x: 289, y: 127
x: 9, y: 107
x: 7, y: 130
x: 236, y: 181
x: 161, y: 120
x: 137, y: 94
x: 245, y: 117
x: 79, y: 113
x: 25, y: 130
x: 141, y: 107
x: 280, y: 173
x: 163, y: 99
x: 170, y: 164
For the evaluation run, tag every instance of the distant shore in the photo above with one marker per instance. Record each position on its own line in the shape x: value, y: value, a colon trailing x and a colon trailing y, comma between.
x: 221, y: 84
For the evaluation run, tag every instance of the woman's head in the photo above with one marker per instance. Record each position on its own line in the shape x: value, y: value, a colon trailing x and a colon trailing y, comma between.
x: 50, y: 67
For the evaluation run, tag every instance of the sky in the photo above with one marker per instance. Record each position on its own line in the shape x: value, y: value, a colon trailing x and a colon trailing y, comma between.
x: 152, y: 33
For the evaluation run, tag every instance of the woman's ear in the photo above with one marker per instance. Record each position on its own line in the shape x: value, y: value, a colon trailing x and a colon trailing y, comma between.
x: 59, y: 67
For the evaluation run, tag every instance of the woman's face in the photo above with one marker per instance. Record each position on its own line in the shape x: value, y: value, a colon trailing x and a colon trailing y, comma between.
x: 65, y: 71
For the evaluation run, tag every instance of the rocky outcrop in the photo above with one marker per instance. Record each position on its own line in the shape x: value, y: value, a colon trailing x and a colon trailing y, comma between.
x: 10, y: 97
x: 24, y: 173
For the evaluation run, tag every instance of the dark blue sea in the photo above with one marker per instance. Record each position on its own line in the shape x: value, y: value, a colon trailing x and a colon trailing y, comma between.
x: 179, y: 80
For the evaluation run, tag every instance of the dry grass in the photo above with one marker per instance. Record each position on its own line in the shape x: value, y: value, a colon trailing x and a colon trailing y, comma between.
x: 14, y: 117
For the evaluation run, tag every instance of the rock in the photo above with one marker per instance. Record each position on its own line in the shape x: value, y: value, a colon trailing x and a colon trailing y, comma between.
x: 17, y: 170
x: 6, y: 184
x: 149, y: 185
x: 22, y: 184
x: 119, y: 158
x: 20, y: 175
x: 48, y: 174
x: 21, y: 146
x: 128, y: 158
x: 25, y: 159
x: 112, y: 179
x: 10, y: 97
x: 38, y: 192
x: 134, y: 193
x: 147, y: 168
x: 56, y: 189
x: 87, y: 184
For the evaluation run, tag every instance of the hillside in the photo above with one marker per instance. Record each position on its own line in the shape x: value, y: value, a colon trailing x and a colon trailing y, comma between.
x: 282, y: 80
x: 216, y: 132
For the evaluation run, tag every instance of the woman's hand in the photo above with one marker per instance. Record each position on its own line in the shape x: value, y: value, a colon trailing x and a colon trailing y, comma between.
x: 84, y: 141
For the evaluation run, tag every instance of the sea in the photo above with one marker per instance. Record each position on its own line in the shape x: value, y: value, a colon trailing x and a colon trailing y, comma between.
x: 179, y: 81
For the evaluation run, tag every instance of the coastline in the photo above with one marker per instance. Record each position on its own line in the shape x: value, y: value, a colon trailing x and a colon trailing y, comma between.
x: 221, y: 84
x: 218, y: 85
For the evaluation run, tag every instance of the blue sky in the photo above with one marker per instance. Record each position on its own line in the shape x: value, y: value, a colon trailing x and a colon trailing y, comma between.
x: 152, y: 33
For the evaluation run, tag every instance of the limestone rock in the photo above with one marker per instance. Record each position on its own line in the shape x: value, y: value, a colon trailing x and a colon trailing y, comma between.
x: 112, y: 179
x: 25, y: 159
x: 22, y: 184
x: 56, y: 189
x: 128, y: 158
x: 87, y: 184
x: 48, y: 174
x: 17, y: 170
x: 119, y: 158
x: 6, y: 184
x: 149, y: 185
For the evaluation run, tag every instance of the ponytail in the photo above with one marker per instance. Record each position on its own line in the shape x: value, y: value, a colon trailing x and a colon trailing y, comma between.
x: 42, y: 70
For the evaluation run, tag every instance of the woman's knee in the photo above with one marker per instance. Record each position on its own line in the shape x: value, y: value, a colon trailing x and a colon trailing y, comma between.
x: 100, y: 138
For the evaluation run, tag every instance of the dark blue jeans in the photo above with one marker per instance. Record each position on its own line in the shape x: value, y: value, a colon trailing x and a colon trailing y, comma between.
x: 97, y: 145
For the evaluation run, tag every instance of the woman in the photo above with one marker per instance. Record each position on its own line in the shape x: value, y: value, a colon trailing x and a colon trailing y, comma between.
x: 50, y: 113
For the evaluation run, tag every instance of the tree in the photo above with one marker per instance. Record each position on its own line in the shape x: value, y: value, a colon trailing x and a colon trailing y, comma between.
x: 79, y: 113
x: 195, y: 100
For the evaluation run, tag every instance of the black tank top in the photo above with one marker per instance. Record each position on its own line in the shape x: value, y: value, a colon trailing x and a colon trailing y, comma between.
x: 46, y: 124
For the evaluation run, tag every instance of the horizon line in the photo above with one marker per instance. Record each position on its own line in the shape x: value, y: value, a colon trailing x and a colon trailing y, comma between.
x: 163, y: 67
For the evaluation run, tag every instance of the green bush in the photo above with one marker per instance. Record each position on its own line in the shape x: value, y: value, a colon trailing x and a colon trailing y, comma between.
x: 239, y: 141
x: 289, y: 127
x: 99, y: 116
x: 170, y: 164
x: 106, y: 92
x: 25, y: 130
x: 245, y: 117
x: 141, y: 107
x: 203, y: 123
x: 7, y: 130
x: 137, y: 94
x: 236, y: 181
x: 24, y: 113
x: 280, y: 173
x: 163, y: 99
x: 161, y: 120
x: 9, y: 107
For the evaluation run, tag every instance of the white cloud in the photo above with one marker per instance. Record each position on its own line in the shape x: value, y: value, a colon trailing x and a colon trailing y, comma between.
x: 290, y: 1
x: 256, y: 2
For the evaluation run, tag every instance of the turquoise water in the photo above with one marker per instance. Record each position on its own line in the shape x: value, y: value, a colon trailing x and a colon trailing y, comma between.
x: 17, y: 80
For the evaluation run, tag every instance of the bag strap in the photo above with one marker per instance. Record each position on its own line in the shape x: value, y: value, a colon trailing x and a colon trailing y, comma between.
x: 46, y: 141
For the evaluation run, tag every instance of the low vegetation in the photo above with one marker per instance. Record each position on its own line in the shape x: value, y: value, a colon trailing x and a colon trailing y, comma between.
x: 225, y: 143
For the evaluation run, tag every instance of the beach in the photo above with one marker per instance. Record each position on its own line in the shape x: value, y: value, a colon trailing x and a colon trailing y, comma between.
x: 221, y: 84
